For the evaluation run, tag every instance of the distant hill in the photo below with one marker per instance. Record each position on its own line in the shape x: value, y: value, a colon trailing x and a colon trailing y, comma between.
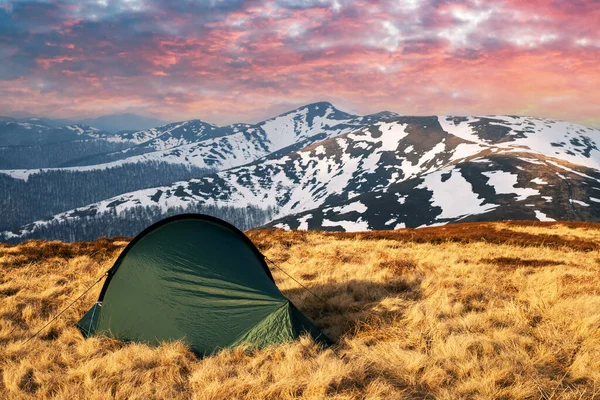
x: 122, y: 122
x: 112, y: 123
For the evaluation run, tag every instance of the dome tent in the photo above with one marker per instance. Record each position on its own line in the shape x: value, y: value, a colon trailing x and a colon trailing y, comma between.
x: 196, y: 278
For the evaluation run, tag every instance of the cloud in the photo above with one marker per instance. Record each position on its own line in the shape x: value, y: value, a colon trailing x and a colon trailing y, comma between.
x: 226, y: 60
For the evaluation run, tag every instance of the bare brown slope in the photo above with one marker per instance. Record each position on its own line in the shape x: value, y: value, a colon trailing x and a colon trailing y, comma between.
x: 493, y: 310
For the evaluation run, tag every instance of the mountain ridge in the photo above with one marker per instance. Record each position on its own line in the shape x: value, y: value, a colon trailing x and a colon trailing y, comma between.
x: 112, y: 123
x: 223, y: 147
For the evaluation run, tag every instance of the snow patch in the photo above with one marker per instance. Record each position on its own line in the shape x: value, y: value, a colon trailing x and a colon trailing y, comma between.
x: 464, y: 150
x: 542, y: 217
x: 320, y: 150
x: 531, y: 160
x: 460, y: 129
x: 392, y: 134
x: 357, y: 206
x: 455, y: 196
x: 75, y: 128
x: 401, y: 198
x: 579, y: 202
x: 348, y: 226
x: 304, y: 222
x: 504, y: 183
x: 538, y: 181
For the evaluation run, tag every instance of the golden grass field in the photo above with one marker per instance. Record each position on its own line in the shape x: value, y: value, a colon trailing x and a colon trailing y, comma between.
x: 467, y: 311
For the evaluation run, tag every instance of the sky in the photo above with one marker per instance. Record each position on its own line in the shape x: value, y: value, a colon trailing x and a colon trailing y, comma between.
x: 242, y: 61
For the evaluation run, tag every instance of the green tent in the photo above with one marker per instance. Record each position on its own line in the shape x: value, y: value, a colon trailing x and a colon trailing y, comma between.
x: 196, y: 278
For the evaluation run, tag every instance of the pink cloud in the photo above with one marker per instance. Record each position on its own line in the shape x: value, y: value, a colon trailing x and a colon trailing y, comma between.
x: 497, y: 57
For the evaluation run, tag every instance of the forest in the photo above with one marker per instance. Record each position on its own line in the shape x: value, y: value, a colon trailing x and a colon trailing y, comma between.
x: 48, y: 193
x: 132, y: 221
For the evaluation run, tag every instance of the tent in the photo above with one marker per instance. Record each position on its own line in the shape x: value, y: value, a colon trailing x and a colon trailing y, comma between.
x: 196, y: 278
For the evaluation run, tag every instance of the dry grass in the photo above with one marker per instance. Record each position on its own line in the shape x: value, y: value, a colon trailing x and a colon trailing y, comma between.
x: 505, y: 311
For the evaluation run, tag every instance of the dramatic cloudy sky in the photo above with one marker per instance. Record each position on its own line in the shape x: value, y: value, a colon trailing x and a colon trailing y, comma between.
x: 229, y: 61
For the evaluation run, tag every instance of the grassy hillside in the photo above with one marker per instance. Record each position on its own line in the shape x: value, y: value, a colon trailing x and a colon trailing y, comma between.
x: 490, y: 310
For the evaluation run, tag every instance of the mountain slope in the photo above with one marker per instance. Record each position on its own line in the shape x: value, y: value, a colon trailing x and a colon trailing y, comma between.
x: 404, y: 171
x: 499, y: 187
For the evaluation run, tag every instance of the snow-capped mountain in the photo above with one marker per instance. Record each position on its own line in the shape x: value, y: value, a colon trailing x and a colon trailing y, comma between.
x: 342, y: 172
x: 35, y: 143
x: 38, y: 132
x: 147, y: 141
x: 203, y: 145
x: 239, y: 144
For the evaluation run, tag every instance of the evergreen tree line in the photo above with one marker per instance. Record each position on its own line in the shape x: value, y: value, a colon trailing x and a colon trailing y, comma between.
x: 48, y: 193
x: 133, y: 220
x: 54, y: 154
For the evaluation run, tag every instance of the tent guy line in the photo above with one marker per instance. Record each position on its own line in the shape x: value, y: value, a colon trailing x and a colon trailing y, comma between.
x: 66, y: 308
x: 295, y: 280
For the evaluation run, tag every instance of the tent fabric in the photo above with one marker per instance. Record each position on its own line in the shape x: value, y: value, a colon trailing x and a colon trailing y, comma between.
x: 196, y: 278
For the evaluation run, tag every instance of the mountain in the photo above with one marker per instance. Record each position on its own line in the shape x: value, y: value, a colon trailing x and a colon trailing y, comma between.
x: 38, y: 132
x: 203, y: 145
x: 168, y: 153
x: 319, y: 168
x: 53, y: 122
x: 122, y: 122
x: 113, y: 123
x: 36, y: 143
x: 239, y: 144
x: 150, y: 140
